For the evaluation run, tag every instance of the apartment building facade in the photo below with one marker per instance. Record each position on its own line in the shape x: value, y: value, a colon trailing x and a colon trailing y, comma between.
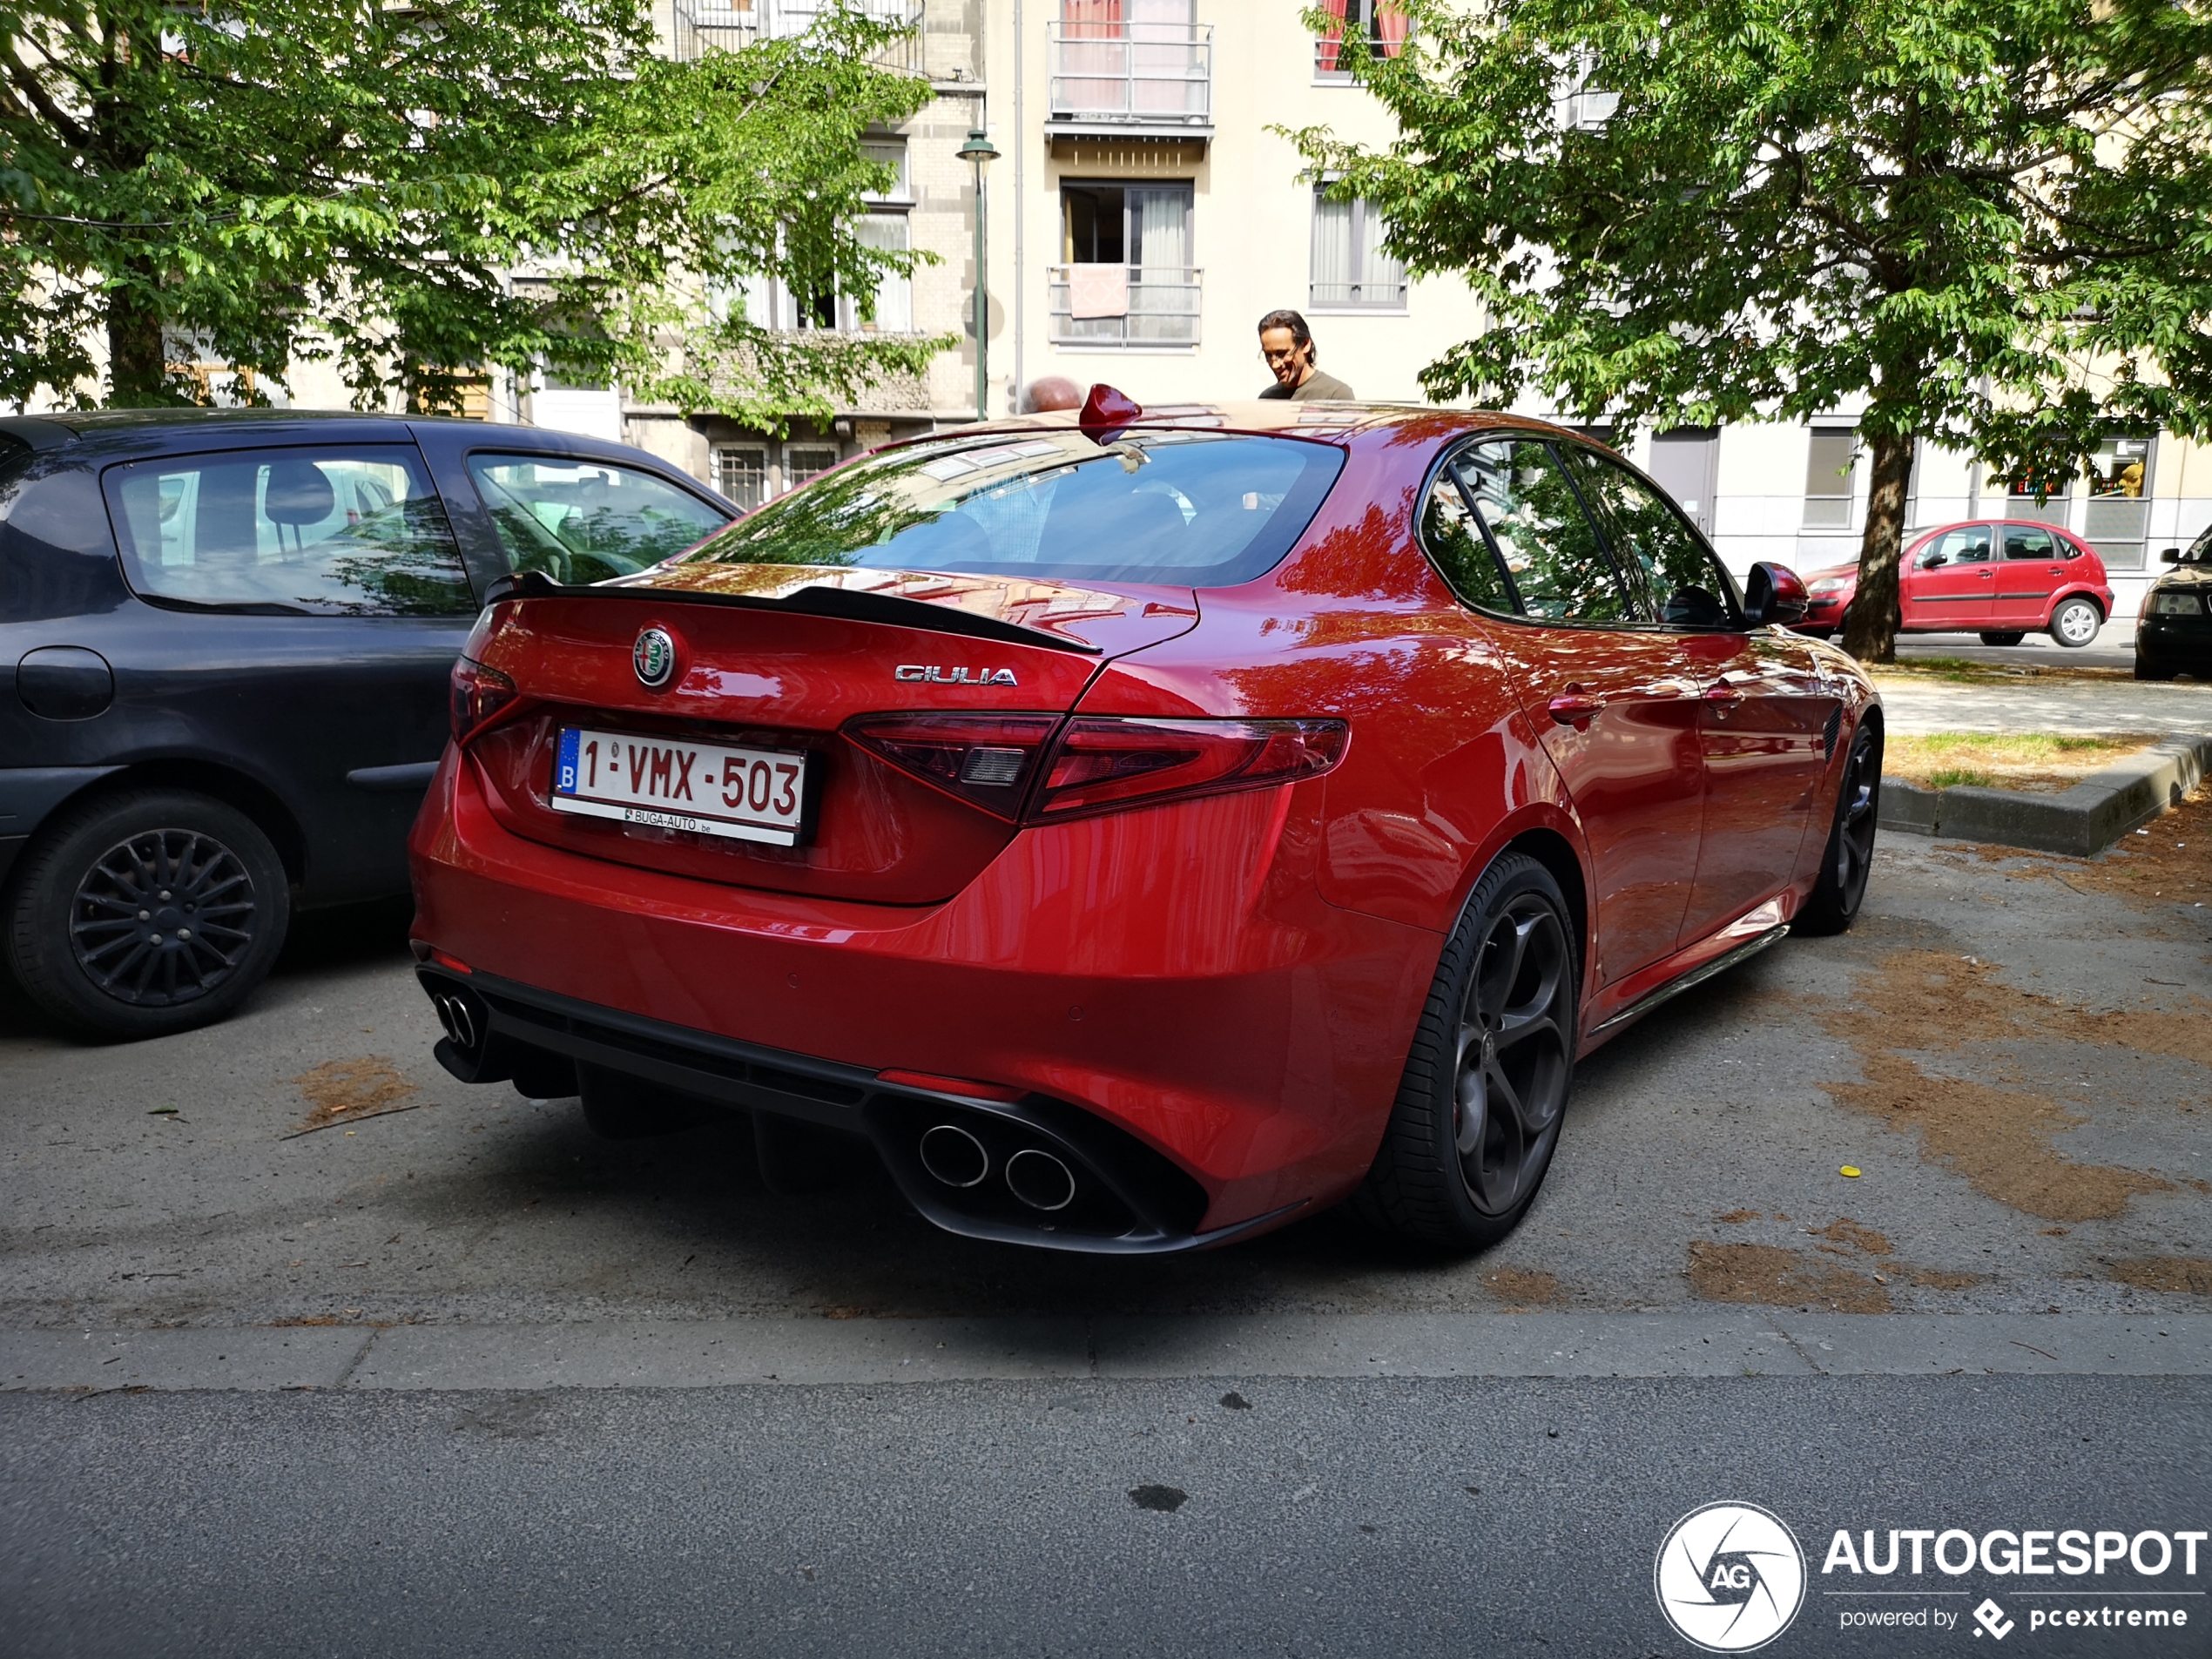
x: 1146, y: 209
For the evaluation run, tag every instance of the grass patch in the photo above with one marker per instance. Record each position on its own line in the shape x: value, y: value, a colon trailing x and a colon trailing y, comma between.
x: 2004, y: 759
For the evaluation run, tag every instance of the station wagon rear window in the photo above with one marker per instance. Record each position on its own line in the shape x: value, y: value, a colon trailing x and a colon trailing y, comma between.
x: 1192, y: 507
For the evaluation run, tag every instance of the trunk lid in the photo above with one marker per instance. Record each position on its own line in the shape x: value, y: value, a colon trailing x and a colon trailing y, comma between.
x: 781, y: 660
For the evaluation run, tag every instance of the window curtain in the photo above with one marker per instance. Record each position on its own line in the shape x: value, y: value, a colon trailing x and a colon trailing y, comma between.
x: 894, y: 294
x: 1333, y: 258
x: 1331, y: 40
x: 1390, y: 25
x: 1382, y: 279
x: 1159, y: 223
x: 1094, y: 56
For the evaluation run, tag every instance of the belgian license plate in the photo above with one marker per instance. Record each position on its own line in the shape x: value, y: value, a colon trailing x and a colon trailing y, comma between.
x: 707, y: 788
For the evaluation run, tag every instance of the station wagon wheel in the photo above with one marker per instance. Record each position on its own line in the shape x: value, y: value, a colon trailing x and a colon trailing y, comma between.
x: 1485, y: 1089
x: 1512, y: 1058
x: 146, y: 913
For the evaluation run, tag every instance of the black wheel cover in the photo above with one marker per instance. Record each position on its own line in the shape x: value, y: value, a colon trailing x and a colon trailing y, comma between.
x: 163, y: 918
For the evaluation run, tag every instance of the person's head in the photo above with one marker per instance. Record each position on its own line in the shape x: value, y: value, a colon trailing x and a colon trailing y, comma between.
x: 1287, y: 344
x: 1051, y: 392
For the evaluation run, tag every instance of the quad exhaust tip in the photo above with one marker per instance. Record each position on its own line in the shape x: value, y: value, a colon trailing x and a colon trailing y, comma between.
x: 954, y: 1156
x: 1039, y: 1180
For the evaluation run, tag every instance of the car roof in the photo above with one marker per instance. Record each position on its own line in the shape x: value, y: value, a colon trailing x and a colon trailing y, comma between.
x: 141, y: 432
x: 1336, y: 421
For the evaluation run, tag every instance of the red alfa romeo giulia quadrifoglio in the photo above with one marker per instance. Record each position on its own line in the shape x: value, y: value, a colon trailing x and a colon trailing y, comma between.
x: 1143, y: 829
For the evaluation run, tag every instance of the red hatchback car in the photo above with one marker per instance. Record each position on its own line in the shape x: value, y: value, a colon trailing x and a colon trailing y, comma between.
x: 1143, y: 830
x: 2004, y: 580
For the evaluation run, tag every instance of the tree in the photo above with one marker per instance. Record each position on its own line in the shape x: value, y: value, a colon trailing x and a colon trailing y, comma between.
x: 415, y: 189
x: 1991, y: 219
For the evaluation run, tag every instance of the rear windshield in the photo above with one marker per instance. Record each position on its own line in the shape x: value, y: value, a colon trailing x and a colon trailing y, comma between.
x: 1194, y: 509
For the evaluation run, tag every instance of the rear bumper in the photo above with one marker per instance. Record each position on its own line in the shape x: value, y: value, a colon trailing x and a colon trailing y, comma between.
x: 1171, y: 973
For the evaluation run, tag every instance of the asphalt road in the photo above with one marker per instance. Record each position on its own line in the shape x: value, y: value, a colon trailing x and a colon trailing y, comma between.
x: 1307, y: 1518
x: 457, y: 1377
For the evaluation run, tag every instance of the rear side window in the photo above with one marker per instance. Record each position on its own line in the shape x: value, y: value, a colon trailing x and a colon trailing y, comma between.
x: 349, y: 532
x: 1195, y: 509
x: 585, y: 521
x: 1559, y: 568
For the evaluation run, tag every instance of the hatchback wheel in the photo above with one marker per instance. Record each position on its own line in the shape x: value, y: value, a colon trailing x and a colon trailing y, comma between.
x: 146, y: 913
x: 2075, y: 622
x: 2148, y: 671
x: 1479, y: 1108
x: 2002, y: 636
x: 1849, y: 857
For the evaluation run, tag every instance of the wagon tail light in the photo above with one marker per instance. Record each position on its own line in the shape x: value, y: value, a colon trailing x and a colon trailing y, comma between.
x: 479, y: 693
x: 1038, y: 769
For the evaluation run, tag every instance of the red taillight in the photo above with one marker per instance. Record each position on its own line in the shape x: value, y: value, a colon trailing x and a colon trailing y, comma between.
x: 986, y: 759
x: 478, y: 693
x: 1100, y: 765
x: 1015, y: 766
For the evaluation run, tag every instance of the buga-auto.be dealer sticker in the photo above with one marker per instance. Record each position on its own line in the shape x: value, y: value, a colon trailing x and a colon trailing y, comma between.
x: 1732, y: 1577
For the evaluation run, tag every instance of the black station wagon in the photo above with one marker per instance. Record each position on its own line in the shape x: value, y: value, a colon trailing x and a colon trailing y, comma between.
x: 230, y: 634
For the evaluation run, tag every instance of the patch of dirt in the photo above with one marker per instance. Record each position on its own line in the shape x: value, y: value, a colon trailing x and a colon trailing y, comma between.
x: 338, y: 1089
x: 1935, y: 1278
x: 1844, y: 1231
x: 2170, y: 865
x: 1922, y: 1001
x: 1522, y: 1286
x: 2039, y: 762
x: 1773, y: 1276
x: 1737, y: 1218
x: 2183, y: 1275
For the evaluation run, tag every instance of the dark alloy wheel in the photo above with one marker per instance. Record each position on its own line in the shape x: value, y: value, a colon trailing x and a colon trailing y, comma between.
x: 1485, y: 1089
x: 2002, y: 636
x: 146, y: 913
x: 1848, y: 857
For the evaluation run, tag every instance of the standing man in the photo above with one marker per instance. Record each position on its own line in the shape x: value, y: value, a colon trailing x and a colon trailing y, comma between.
x: 1287, y: 344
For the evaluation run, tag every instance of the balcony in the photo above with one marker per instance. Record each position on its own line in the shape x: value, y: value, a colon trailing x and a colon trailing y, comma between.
x: 1130, y: 80
x: 699, y: 27
x: 1128, y: 305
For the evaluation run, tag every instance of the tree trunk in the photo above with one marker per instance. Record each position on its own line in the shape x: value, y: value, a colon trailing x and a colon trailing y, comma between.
x: 1870, y: 629
x: 136, y: 373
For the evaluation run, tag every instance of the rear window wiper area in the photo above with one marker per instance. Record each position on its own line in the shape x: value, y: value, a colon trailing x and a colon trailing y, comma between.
x: 811, y: 599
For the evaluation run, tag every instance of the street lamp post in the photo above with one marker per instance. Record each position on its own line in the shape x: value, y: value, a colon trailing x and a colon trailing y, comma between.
x: 978, y: 151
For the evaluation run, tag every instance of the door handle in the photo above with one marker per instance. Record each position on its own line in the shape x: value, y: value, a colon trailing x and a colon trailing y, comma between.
x: 1576, y: 708
x: 1988, y: 576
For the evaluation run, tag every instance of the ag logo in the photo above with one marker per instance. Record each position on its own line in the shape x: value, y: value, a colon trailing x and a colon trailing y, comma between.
x: 1730, y: 1577
x: 654, y: 657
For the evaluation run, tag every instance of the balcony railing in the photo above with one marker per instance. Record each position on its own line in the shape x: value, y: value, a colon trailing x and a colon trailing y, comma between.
x: 1143, y: 305
x: 699, y: 27
x: 1131, y: 76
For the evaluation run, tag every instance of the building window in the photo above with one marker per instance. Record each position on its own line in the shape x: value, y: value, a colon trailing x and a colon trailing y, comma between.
x: 1349, y: 268
x: 891, y: 153
x: 2117, y: 521
x: 1381, y: 25
x: 2043, y: 498
x: 1828, y: 478
x: 1126, y: 276
x: 804, y: 460
x: 742, y: 474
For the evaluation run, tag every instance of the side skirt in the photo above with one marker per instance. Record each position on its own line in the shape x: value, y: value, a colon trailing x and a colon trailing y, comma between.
x: 1697, y: 976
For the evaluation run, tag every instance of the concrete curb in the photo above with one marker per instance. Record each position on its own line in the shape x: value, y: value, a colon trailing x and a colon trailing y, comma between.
x: 2083, y: 820
x: 708, y: 1353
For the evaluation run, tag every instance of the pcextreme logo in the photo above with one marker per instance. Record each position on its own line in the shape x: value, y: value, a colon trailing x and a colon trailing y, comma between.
x: 1730, y: 1577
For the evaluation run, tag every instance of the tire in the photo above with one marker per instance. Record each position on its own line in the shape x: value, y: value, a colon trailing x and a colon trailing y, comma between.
x: 2076, y: 623
x: 1848, y: 859
x: 2145, y: 672
x: 1423, y: 1184
x: 212, y: 902
x: 2002, y: 636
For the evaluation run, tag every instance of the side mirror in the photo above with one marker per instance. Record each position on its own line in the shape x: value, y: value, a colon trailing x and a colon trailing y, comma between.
x: 2170, y: 556
x: 1773, y: 596
x: 1929, y: 560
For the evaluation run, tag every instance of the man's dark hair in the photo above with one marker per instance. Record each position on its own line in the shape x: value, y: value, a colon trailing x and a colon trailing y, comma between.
x: 1300, y: 334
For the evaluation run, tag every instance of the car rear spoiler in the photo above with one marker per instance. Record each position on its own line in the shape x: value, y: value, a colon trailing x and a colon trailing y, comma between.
x: 847, y: 604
